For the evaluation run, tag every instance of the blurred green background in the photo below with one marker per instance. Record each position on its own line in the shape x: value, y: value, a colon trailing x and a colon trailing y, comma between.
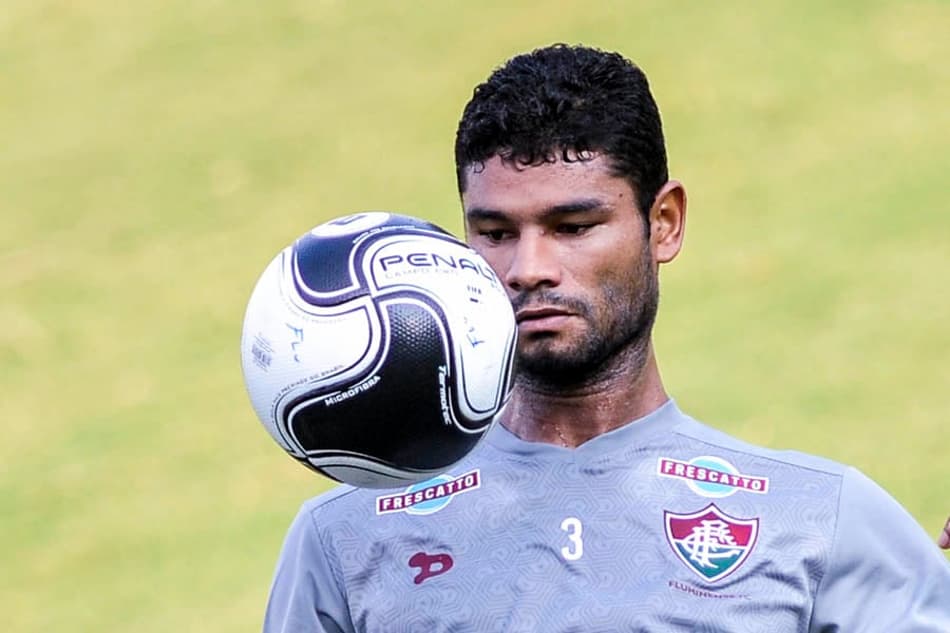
x: 155, y: 155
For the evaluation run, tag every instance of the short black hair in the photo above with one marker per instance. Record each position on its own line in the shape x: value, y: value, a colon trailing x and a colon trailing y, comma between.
x: 566, y: 102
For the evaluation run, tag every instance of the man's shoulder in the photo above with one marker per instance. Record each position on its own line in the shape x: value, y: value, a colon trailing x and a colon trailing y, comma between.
x: 701, y: 434
x: 337, y: 499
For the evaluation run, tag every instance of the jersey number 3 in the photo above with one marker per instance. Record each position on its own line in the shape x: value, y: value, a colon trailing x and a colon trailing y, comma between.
x: 575, y: 547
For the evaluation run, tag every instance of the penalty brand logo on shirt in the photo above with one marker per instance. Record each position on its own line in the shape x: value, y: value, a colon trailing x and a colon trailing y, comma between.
x: 430, y: 565
x: 710, y: 476
x: 710, y: 542
x: 429, y: 496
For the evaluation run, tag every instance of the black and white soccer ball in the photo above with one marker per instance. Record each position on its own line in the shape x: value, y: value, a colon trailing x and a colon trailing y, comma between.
x: 377, y: 349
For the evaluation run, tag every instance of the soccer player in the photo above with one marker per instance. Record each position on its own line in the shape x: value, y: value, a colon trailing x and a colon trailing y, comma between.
x: 597, y: 504
x: 943, y: 540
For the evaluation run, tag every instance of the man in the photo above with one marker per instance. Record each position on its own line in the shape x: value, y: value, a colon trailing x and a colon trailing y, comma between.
x: 944, y: 539
x: 600, y: 505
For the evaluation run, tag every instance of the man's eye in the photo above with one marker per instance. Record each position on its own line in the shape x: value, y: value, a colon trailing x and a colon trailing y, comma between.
x: 573, y: 229
x: 494, y: 235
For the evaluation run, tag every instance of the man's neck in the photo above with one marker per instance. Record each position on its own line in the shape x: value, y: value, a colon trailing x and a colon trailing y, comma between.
x: 571, y: 416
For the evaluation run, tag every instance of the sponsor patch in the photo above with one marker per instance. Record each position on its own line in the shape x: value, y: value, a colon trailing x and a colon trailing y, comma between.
x: 710, y: 542
x: 711, y: 476
x: 428, y: 496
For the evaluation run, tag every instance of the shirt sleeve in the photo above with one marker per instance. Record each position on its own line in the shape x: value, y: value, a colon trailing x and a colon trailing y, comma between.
x: 884, y: 572
x: 305, y: 595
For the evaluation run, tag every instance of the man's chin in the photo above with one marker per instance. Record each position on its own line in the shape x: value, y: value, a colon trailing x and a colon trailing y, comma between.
x: 552, y: 367
x: 541, y: 350
x: 560, y: 363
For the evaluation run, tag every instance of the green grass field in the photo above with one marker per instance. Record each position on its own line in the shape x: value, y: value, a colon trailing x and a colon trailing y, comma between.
x: 155, y: 155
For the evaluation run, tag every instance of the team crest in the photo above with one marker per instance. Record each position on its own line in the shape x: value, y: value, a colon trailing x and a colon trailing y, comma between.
x: 710, y: 542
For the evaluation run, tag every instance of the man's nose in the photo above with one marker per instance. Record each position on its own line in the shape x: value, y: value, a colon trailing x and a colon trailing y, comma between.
x: 535, y: 263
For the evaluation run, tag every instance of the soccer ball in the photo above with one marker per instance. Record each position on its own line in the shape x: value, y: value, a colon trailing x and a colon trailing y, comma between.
x: 377, y: 349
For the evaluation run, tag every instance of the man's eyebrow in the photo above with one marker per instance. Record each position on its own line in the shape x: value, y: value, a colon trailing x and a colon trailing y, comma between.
x: 482, y: 213
x: 574, y: 206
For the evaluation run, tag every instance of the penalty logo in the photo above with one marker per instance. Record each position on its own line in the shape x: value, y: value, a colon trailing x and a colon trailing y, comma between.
x: 710, y: 542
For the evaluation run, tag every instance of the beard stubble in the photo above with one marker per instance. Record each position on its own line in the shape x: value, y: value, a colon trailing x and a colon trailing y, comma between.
x: 619, y: 322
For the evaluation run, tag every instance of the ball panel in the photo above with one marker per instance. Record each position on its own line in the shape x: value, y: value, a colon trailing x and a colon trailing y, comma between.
x: 323, y: 270
x: 474, y: 302
x: 289, y: 348
x: 324, y: 259
x: 485, y: 373
x: 401, y: 414
x: 438, y: 263
x: 364, y: 472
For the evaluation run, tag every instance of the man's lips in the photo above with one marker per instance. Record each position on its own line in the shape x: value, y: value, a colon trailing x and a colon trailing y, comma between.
x: 526, y: 314
x: 541, y: 318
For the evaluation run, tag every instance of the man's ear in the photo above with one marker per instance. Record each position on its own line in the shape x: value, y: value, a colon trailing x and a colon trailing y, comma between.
x: 668, y: 222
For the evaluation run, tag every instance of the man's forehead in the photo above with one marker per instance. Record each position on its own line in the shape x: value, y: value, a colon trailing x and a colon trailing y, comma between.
x: 501, y: 184
x: 518, y: 162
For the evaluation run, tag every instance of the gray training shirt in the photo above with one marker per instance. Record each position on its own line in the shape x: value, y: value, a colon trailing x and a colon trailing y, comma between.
x: 662, y: 525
